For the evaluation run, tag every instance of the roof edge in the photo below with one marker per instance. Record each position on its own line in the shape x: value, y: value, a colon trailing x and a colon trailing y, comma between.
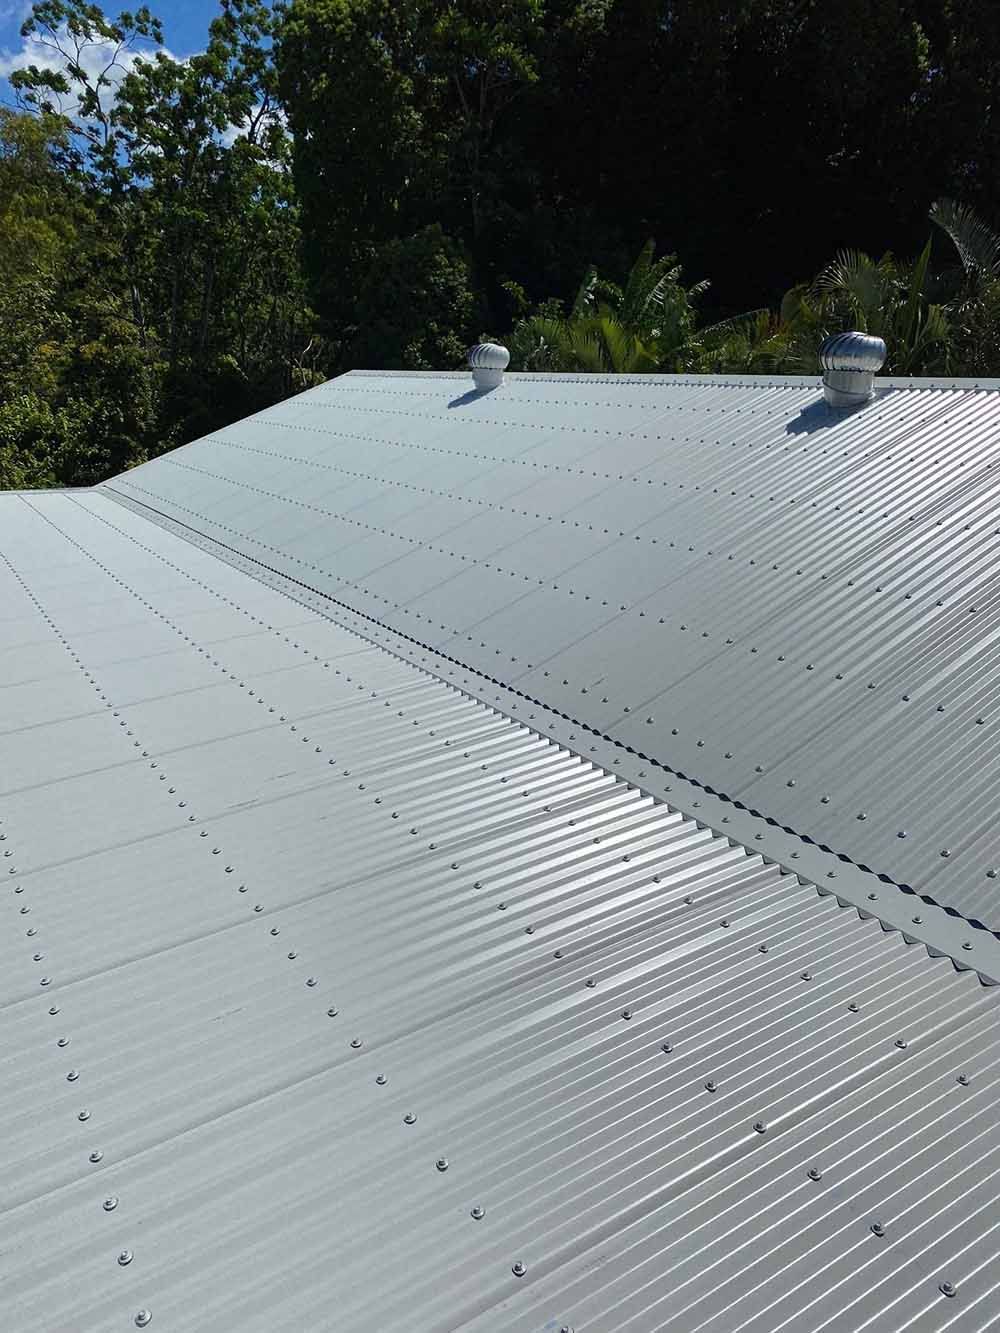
x: 939, y: 382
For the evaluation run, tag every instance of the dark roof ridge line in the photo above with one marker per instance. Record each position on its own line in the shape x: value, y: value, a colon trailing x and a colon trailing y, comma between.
x: 164, y: 519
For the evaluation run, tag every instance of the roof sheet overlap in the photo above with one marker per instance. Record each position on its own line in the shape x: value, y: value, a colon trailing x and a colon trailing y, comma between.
x: 796, y: 608
x: 311, y: 957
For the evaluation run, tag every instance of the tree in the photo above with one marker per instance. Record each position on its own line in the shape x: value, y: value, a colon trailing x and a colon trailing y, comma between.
x: 412, y: 113
x: 972, y: 288
x: 416, y: 309
x: 645, y: 325
x: 188, y: 307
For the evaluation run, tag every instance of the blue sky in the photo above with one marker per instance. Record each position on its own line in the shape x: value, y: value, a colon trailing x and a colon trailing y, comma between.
x: 185, y: 29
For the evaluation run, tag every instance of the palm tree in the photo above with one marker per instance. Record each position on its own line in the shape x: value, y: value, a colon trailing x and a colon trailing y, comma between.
x: 973, y: 288
x: 885, y: 297
x: 932, y: 323
x: 645, y: 325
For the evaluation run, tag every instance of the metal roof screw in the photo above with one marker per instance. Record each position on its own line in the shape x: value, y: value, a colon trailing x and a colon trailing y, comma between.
x: 72, y: 1076
x: 125, y: 1258
x: 759, y: 1127
x: 626, y: 1013
x: 877, y: 1229
x: 292, y: 954
x: 862, y: 814
x: 96, y: 1156
x: 332, y: 1012
x: 902, y: 1043
x: 518, y: 1269
x: 45, y: 981
x: 558, y: 953
x: 310, y: 981
x: 948, y: 1289
x: 946, y: 851
x: 964, y: 1080
x: 872, y: 897
x: 501, y: 907
x: 381, y: 1080
x: 54, y: 1009
x: 854, y: 1006
x: 806, y: 976
x: 724, y: 921
x: 529, y: 930
x: 409, y: 1118
x: 991, y: 873
x: 110, y: 1203
x: 667, y: 1047
x: 143, y: 1318
x: 275, y: 930
x: 814, y: 1173
x: 479, y: 1212
x: 711, y: 1085
x: 967, y: 944
x: 762, y: 948
x: 63, y: 1041
x: 591, y: 982
x: 442, y: 1164
x: 356, y: 1042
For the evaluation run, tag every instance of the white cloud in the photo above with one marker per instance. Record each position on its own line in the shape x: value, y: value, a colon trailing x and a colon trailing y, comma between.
x: 95, y: 59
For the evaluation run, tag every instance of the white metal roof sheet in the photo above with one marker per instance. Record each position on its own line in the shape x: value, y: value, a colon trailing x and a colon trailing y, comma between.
x: 331, y: 997
x: 793, y: 608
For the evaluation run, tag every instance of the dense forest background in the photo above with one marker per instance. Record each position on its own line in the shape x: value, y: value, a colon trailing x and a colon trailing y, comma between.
x: 602, y: 184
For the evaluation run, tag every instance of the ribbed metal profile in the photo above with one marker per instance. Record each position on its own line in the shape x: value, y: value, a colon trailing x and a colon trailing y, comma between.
x: 787, y: 605
x: 861, y: 352
x: 489, y: 356
x: 390, y: 1013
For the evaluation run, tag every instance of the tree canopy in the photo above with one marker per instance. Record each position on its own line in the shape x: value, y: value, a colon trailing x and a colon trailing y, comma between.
x: 335, y: 183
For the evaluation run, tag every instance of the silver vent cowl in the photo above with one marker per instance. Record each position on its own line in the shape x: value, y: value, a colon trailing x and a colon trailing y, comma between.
x: 850, y: 362
x: 488, y: 361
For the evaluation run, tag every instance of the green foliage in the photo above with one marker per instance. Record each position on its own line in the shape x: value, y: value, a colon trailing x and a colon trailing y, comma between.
x: 410, y: 113
x: 645, y: 325
x: 943, y: 323
x: 973, y: 291
x: 335, y: 183
x: 150, y: 285
x: 416, y: 309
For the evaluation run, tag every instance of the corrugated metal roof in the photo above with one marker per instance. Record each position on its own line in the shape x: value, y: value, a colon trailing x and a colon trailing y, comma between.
x: 794, y: 609
x: 332, y: 956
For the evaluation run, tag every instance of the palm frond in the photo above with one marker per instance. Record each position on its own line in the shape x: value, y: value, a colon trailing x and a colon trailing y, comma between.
x: 918, y: 282
x: 860, y: 280
x: 637, y: 283
x: 978, y: 245
x: 583, y: 301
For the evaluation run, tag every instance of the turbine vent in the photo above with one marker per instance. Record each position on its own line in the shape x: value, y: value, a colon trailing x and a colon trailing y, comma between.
x: 488, y: 361
x: 850, y: 362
